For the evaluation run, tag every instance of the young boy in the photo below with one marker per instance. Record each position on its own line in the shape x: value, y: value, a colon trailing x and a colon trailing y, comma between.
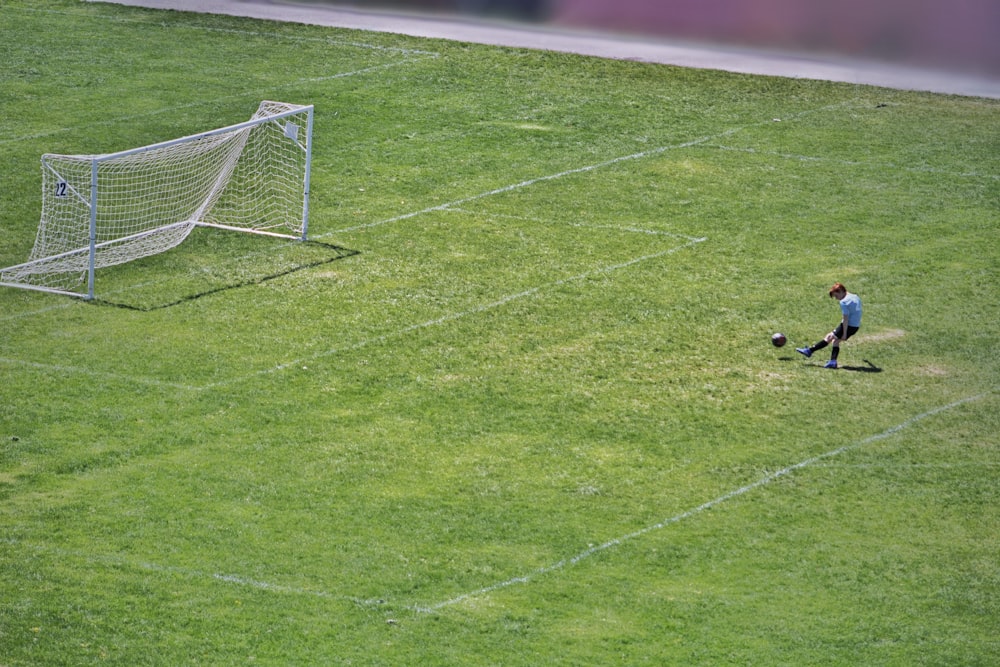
x: 850, y: 306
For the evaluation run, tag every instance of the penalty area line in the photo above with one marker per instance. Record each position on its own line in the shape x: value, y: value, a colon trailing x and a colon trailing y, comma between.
x: 600, y: 270
x: 530, y: 182
x: 270, y: 587
x: 767, y: 479
x: 509, y: 298
x: 578, y: 170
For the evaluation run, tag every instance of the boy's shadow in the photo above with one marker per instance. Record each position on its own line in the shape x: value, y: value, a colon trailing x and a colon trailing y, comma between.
x: 868, y: 368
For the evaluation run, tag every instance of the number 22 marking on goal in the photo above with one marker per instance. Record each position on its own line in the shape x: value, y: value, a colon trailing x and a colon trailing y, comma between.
x: 62, y: 189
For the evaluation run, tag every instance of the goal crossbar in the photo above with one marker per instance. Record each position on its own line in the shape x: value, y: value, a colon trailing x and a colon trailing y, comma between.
x: 201, y: 135
x: 101, y: 210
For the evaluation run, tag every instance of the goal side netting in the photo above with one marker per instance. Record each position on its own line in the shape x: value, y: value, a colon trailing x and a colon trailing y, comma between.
x: 103, y: 210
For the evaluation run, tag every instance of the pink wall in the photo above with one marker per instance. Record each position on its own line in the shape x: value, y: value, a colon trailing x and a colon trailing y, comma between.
x: 956, y: 34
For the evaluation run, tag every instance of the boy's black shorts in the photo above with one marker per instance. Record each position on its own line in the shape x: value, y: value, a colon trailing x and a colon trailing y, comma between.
x: 839, y: 331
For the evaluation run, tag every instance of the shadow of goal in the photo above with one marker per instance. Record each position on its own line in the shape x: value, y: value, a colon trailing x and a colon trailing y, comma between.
x: 211, y: 263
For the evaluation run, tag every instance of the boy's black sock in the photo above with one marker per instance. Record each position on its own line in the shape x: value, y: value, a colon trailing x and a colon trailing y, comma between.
x: 819, y: 346
x: 835, y: 352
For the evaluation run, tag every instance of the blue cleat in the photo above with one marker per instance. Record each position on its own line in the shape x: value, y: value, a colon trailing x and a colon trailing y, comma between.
x: 804, y: 351
x: 830, y: 364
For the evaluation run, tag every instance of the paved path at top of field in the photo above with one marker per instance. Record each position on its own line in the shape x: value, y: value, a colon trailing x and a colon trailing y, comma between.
x: 500, y: 33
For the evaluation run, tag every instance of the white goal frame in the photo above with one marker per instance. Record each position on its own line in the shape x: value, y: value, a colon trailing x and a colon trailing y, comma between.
x: 61, y: 260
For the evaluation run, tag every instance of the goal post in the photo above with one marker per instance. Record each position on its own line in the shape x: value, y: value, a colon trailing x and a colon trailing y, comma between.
x: 103, y: 210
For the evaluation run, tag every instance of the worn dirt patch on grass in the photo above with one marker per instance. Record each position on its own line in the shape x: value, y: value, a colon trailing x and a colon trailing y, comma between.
x: 880, y: 336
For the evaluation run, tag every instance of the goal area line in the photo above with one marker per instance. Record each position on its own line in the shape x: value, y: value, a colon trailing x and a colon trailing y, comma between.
x: 735, y: 493
x: 134, y: 237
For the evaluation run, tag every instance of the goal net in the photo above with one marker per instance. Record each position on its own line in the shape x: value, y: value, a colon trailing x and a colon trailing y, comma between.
x: 103, y: 210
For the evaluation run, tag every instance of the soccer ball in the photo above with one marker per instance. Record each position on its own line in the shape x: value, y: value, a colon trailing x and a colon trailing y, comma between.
x: 778, y: 339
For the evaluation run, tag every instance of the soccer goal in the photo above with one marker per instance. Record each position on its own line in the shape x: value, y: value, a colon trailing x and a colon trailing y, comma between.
x: 103, y: 210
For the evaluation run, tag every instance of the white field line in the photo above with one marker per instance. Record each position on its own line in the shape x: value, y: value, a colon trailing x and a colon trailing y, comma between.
x: 63, y: 369
x: 68, y: 303
x: 303, y: 361
x: 580, y: 170
x: 237, y: 580
x: 767, y: 479
x: 178, y: 571
x: 532, y: 181
x: 456, y: 205
x: 453, y: 205
x: 116, y: 377
x: 445, y: 207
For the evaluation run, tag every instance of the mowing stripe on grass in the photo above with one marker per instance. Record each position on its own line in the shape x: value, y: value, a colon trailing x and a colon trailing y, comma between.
x: 119, y: 561
x: 449, y: 206
x: 767, y: 479
x: 115, y: 377
x: 532, y: 181
x: 854, y: 163
x: 241, y: 581
x: 578, y: 225
x: 411, y: 55
x: 580, y: 170
x: 157, y: 112
x: 57, y: 368
x: 912, y: 466
x: 455, y: 316
x: 455, y: 205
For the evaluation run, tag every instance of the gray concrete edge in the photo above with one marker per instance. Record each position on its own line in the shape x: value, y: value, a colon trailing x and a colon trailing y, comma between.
x: 592, y: 43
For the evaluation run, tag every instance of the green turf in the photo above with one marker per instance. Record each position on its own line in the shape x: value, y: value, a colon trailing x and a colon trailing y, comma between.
x: 517, y: 405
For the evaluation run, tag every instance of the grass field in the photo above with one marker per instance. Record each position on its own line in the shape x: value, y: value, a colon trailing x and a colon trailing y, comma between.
x: 519, y: 406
